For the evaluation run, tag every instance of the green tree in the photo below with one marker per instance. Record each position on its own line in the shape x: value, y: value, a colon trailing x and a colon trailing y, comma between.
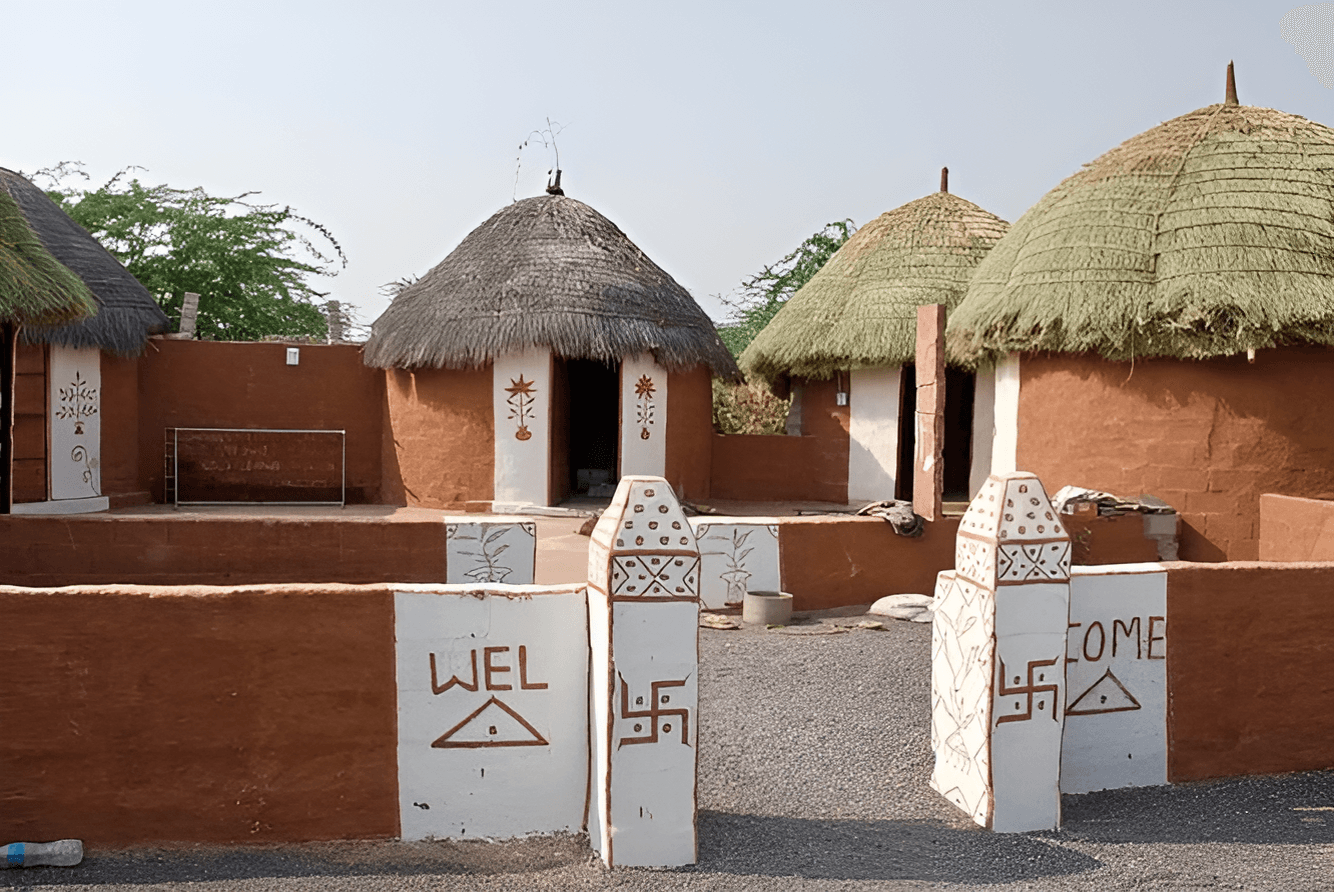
x: 250, y: 264
x: 763, y: 294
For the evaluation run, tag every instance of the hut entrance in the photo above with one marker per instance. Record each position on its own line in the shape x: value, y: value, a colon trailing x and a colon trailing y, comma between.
x: 960, y: 388
x: 585, y: 415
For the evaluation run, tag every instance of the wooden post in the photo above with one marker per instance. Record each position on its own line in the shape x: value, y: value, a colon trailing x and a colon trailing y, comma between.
x: 928, y: 462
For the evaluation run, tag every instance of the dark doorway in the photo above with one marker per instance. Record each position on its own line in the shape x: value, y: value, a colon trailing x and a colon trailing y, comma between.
x: 592, y: 394
x: 960, y: 390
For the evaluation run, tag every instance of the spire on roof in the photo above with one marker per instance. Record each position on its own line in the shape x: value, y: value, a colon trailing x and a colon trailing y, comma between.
x: 1231, y: 97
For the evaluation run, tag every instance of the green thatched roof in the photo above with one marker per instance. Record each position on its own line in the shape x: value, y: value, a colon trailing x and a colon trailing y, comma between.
x: 1208, y: 235
x: 547, y: 271
x: 860, y: 309
x: 35, y: 288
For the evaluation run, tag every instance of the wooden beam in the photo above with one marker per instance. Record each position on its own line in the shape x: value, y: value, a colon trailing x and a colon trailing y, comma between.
x: 928, y: 461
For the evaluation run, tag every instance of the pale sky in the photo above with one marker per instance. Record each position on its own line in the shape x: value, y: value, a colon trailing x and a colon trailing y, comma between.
x: 717, y: 135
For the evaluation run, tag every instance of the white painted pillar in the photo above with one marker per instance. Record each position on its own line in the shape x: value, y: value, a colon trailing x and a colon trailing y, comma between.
x: 873, y: 433
x: 521, y: 412
x: 643, y: 614
x: 643, y: 417
x: 984, y: 428
x: 998, y: 659
x: 1005, y: 445
x: 76, y: 423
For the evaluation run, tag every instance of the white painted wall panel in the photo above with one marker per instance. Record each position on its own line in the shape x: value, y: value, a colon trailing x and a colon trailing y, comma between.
x: 521, y: 409
x: 984, y: 428
x: 498, y: 550
x: 492, y: 710
x: 76, y: 423
x: 643, y: 417
x: 1005, y: 444
x: 737, y: 555
x: 1116, y: 680
x: 873, y: 433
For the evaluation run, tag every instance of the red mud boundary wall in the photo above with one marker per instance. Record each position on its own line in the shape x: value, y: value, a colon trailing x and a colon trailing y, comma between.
x: 1250, y: 669
x: 199, y: 714
x: 1296, y: 529
x: 98, y: 549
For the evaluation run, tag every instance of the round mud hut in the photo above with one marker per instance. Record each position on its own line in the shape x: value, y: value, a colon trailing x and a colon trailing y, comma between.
x: 73, y: 374
x: 546, y: 357
x: 1163, y: 319
x: 846, y: 343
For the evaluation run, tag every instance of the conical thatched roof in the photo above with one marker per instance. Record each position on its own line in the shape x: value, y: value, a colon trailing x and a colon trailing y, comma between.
x: 1205, y: 236
x: 546, y: 271
x: 35, y: 289
x: 860, y: 309
x: 126, y: 312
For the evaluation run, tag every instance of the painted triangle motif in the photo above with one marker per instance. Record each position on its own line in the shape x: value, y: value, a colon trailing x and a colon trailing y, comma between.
x: 491, y: 724
x: 1107, y: 694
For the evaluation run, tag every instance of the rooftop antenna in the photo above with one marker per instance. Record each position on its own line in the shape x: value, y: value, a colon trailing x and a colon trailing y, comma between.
x: 944, y: 179
x: 1231, y: 97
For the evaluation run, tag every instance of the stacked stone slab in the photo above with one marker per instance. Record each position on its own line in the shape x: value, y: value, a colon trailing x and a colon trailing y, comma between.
x: 998, y: 659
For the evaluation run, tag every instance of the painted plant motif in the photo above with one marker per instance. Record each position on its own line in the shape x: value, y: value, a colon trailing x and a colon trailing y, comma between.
x: 77, y: 402
x: 644, y: 389
x: 520, y: 401
x: 737, y: 574
x: 490, y: 569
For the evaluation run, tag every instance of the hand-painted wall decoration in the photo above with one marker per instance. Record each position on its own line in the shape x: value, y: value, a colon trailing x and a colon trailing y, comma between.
x: 998, y: 659
x: 76, y: 430
x: 492, y: 710
x: 495, y: 551
x: 737, y: 555
x: 644, y: 407
x: 521, y: 396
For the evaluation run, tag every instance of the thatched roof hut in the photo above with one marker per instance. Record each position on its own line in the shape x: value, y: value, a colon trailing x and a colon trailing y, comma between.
x: 126, y: 313
x: 1208, y: 235
x: 35, y: 289
x: 859, y: 310
x: 546, y: 271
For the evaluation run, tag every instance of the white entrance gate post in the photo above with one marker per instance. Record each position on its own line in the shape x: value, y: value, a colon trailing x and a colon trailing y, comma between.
x: 998, y: 659
x: 643, y: 616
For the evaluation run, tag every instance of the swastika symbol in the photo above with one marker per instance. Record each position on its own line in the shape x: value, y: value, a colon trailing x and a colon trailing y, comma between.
x: 1029, y: 691
x: 655, y: 711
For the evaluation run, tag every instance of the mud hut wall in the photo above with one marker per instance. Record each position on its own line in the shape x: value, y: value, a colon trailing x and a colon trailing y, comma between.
x: 811, y: 467
x: 689, y: 459
x: 121, y: 482
x: 249, y: 385
x: 1209, y: 437
x: 440, y: 436
x: 1296, y: 529
x: 30, y: 448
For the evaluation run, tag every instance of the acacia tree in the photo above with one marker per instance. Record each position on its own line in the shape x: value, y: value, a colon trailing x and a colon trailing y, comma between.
x: 251, y: 264
x: 763, y: 294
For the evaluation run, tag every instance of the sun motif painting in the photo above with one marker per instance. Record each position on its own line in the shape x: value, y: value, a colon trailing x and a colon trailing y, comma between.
x: 521, y: 395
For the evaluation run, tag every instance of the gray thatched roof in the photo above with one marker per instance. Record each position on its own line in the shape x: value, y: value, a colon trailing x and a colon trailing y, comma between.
x: 547, y: 271
x: 860, y: 309
x: 127, y: 313
x: 1207, y: 235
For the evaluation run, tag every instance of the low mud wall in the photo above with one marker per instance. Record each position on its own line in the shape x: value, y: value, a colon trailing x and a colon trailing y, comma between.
x: 156, y: 550
x: 1296, y: 529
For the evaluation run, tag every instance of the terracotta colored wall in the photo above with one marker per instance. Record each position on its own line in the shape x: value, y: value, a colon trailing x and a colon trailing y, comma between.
x: 1250, y: 668
x: 208, y: 715
x: 1293, y: 529
x: 30, y: 460
x: 249, y: 385
x: 442, y: 433
x: 1209, y: 437
x: 838, y: 562
x: 1109, y: 540
x: 690, y: 432
x: 193, y: 550
x: 120, y: 431
x: 812, y: 467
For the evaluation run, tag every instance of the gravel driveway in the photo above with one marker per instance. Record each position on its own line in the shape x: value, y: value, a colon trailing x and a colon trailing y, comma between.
x: 814, y: 758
